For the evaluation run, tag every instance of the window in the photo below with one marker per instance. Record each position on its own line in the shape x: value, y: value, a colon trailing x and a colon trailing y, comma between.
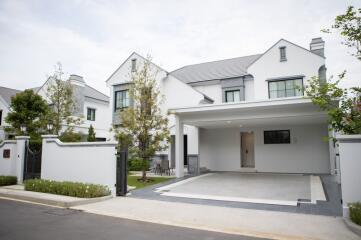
x: 233, y: 96
x: 121, y: 100
x: 283, y: 54
x: 277, y: 137
x: 134, y: 65
x: 90, y: 114
x: 1, y: 116
x: 285, y: 88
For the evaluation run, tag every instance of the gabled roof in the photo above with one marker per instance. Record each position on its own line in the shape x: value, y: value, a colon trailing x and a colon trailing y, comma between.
x: 222, y: 69
x: 7, y: 93
x: 95, y: 94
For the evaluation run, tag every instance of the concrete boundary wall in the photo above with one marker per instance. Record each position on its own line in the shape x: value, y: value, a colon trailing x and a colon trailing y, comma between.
x: 8, y: 164
x: 350, y: 165
x: 86, y: 162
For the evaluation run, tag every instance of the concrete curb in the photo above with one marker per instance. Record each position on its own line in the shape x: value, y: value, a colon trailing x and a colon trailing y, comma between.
x: 57, y: 203
x: 352, y: 226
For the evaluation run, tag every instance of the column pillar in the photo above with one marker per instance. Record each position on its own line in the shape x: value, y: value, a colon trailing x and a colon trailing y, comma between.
x: 20, y: 150
x: 179, y: 152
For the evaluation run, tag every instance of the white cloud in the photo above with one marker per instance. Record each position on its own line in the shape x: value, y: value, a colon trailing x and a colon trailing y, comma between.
x: 92, y: 38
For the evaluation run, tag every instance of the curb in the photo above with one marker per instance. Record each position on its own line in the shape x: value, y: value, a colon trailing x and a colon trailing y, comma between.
x: 352, y: 226
x: 54, y: 202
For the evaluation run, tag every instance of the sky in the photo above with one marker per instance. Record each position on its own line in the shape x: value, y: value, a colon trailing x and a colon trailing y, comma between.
x: 92, y: 38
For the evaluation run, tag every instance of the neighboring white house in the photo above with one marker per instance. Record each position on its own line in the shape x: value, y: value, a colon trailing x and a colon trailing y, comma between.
x: 5, y: 100
x: 91, y: 105
x: 242, y: 114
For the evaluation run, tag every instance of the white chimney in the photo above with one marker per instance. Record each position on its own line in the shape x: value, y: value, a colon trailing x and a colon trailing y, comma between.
x: 77, y: 80
x: 317, y: 46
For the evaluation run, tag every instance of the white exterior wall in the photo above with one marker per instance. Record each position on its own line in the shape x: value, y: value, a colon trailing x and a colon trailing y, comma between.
x: 8, y: 165
x: 5, y: 110
x: 79, y: 162
x: 102, y: 122
x: 213, y: 91
x: 350, y: 152
x: 299, y: 62
x: 220, y: 150
x: 249, y: 90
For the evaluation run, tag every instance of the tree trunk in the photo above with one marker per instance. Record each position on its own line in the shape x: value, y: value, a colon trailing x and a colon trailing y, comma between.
x: 144, y: 170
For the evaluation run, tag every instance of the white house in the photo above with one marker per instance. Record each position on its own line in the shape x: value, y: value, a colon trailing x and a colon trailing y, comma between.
x: 91, y: 105
x: 242, y: 114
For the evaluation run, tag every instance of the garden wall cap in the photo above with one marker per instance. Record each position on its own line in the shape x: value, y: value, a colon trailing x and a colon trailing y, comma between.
x: 349, y: 138
x: 22, y: 137
x: 49, y: 136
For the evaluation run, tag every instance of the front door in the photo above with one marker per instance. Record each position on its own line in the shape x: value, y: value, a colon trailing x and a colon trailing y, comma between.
x: 247, y: 150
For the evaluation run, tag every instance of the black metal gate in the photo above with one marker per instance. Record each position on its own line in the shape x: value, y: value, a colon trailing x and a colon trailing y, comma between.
x: 32, y: 160
x: 121, y: 184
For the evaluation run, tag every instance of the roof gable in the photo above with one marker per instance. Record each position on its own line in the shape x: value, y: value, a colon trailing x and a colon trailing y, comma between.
x: 7, y: 93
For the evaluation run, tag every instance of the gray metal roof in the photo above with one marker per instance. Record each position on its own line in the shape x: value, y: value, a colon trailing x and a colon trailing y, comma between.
x: 7, y: 93
x: 227, y: 68
x: 93, y: 93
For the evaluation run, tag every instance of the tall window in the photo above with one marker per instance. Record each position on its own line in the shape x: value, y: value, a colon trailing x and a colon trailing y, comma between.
x: 134, y: 65
x: 90, y: 114
x: 233, y: 96
x: 121, y: 100
x: 283, y: 54
x: 285, y: 88
x: 1, y: 116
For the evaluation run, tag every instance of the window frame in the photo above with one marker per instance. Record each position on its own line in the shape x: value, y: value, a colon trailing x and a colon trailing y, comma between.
x: 283, y: 57
x: 285, y: 89
x: 232, y: 91
x: 134, y: 65
x: 115, y: 100
x: 269, y: 141
x: 87, y: 114
x: 1, y: 116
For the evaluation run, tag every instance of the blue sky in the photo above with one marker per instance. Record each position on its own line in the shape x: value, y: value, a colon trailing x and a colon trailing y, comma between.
x: 92, y: 38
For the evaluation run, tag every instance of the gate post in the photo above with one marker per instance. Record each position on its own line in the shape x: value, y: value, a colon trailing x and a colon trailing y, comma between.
x: 20, y: 151
x: 121, y: 175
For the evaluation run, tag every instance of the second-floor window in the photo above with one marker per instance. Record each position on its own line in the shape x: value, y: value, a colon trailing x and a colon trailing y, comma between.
x: 121, y: 100
x: 283, y: 54
x: 233, y: 96
x: 285, y: 88
x: 90, y: 114
x: 134, y: 65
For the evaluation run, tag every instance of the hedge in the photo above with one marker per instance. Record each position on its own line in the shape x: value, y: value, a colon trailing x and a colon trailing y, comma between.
x: 8, y: 180
x: 73, y: 189
x: 355, y: 212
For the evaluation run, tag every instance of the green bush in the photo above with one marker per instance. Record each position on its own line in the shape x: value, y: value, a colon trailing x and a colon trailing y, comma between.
x: 8, y: 180
x: 136, y: 164
x: 70, y: 136
x: 355, y: 212
x: 73, y: 189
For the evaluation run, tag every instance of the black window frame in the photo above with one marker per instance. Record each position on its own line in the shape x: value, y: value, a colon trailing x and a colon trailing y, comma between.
x: 232, y: 91
x: 283, y: 54
x: 87, y: 114
x: 116, y: 108
x: 267, y: 139
x: 1, y: 116
x: 285, y: 80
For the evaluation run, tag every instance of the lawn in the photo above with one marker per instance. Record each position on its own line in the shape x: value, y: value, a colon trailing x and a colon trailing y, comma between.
x: 133, y: 181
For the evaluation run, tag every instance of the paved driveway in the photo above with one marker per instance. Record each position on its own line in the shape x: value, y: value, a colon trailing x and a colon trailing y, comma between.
x: 280, y: 189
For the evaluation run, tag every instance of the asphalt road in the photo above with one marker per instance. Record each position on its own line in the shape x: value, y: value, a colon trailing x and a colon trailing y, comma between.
x: 19, y: 220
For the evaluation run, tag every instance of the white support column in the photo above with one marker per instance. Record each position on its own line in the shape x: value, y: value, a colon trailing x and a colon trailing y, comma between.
x: 20, y: 150
x: 179, y: 152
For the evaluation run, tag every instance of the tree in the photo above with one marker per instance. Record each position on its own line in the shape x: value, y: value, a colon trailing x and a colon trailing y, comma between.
x: 144, y: 127
x: 60, y: 96
x: 342, y: 105
x: 91, y: 134
x: 29, y: 109
x: 349, y: 25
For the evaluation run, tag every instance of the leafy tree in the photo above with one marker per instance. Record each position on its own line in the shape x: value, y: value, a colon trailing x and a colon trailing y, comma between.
x: 29, y: 109
x: 91, y: 134
x: 144, y: 127
x: 349, y: 26
x: 60, y: 96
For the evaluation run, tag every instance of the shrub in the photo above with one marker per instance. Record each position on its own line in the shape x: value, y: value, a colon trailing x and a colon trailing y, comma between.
x: 70, y: 136
x: 136, y: 164
x: 73, y: 189
x: 355, y: 212
x: 8, y: 180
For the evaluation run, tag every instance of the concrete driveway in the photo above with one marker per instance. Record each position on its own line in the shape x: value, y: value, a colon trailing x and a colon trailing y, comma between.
x: 268, y: 188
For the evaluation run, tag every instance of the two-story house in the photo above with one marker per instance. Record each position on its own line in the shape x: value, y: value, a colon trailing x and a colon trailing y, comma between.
x: 242, y: 114
x: 92, y: 107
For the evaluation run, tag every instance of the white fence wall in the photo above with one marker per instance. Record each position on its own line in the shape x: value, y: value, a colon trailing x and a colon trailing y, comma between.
x: 8, y: 165
x: 350, y: 166
x: 89, y: 162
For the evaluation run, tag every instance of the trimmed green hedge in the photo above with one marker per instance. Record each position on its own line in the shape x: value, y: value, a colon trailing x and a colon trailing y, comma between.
x: 73, y: 189
x: 8, y: 180
x: 355, y: 212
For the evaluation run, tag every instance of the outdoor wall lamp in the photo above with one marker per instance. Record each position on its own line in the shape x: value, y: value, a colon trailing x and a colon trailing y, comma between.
x: 50, y: 126
x: 23, y: 128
